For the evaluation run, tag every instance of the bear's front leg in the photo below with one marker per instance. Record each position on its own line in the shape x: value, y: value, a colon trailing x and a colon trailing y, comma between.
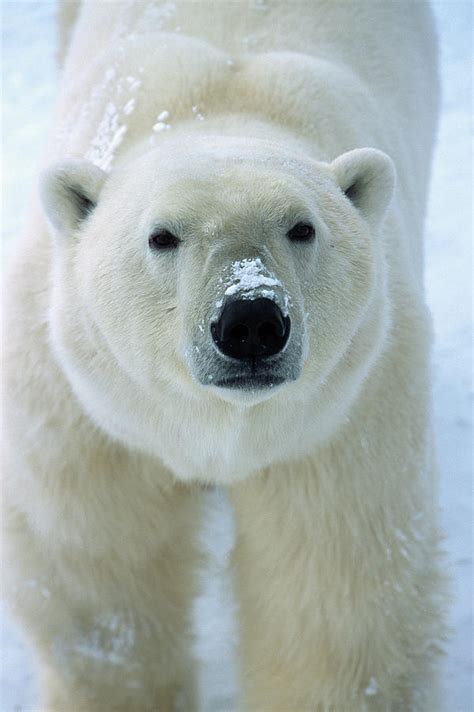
x: 118, y: 692
x: 337, y: 593
x: 109, y: 613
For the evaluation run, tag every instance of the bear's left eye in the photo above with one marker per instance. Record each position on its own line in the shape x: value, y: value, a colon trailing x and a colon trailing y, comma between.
x: 163, y: 240
x: 301, y: 232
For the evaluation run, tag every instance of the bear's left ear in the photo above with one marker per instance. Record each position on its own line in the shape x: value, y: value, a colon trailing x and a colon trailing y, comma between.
x: 69, y: 192
x: 367, y: 177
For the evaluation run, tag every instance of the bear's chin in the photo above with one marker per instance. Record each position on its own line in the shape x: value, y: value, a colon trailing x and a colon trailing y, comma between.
x: 247, y: 393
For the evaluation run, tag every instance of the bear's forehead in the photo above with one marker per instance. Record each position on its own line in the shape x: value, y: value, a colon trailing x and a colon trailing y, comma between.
x: 215, y: 179
x: 234, y: 162
x: 228, y: 176
x: 230, y: 193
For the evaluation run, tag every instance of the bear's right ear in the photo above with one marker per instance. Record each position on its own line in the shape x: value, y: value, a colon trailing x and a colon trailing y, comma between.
x: 69, y: 192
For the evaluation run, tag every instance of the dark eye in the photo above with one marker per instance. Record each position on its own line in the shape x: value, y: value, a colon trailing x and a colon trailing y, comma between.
x: 163, y: 240
x: 301, y: 232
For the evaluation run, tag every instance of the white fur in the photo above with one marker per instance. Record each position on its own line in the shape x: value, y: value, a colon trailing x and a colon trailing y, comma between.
x: 226, y: 124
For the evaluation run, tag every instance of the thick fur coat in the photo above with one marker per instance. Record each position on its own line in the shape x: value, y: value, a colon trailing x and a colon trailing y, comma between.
x: 224, y: 124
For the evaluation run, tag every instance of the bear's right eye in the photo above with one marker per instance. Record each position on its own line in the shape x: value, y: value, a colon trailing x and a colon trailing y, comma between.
x: 163, y: 240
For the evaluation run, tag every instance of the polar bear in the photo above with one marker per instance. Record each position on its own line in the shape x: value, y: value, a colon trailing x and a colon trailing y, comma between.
x: 222, y: 283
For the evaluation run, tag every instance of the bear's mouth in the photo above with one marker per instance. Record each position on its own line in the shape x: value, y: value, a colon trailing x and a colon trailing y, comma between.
x: 252, y: 375
x: 251, y: 382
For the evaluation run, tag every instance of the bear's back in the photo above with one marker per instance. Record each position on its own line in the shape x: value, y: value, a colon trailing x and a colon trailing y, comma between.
x: 390, y: 45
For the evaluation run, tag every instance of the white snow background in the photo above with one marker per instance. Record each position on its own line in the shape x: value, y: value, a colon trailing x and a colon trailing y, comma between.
x: 29, y: 88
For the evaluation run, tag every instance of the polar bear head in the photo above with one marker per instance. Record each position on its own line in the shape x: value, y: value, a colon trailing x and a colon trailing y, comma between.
x: 208, y: 278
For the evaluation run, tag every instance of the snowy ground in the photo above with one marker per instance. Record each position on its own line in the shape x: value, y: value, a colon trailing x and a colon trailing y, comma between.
x: 29, y: 85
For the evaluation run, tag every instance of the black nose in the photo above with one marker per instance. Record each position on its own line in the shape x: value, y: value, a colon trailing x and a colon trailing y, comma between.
x: 251, y: 328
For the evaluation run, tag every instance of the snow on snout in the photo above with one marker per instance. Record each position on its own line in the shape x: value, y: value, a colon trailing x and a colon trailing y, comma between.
x: 249, y: 275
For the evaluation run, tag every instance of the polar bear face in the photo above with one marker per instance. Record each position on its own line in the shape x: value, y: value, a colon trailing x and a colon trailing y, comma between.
x: 216, y: 272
